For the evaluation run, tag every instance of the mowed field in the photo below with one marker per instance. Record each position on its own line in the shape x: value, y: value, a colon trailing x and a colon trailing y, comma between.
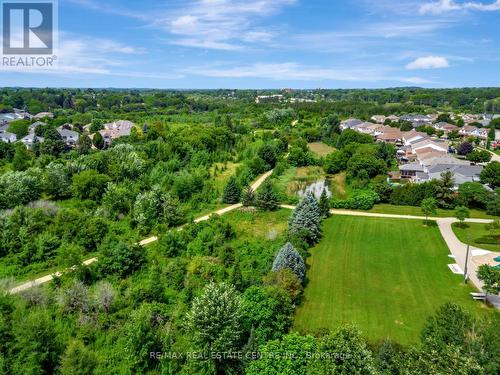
x: 384, y: 275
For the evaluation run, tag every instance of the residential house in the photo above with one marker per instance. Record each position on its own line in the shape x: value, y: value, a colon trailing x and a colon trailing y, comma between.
x: 379, y: 119
x: 445, y: 127
x: 417, y: 120
x: 350, y: 123
x: 473, y: 131
x: 7, y: 137
x: 6, y: 118
x: 42, y: 115
x: 115, y: 130
x: 35, y: 125
x: 390, y: 135
x: 29, y: 140
x: 393, y: 118
x: 429, y: 144
x: 70, y: 137
x: 413, y: 136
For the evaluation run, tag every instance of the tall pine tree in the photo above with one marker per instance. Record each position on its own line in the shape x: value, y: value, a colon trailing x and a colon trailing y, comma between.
x: 324, y: 204
x: 266, y: 198
x: 232, y: 192
x: 306, y: 219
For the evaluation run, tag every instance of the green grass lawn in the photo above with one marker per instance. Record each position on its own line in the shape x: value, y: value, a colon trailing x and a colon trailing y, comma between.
x: 384, y: 275
x: 320, y: 149
x: 416, y: 211
x: 475, y: 231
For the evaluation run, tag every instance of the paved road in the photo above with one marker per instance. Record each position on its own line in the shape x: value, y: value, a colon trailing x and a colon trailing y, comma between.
x: 147, y: 241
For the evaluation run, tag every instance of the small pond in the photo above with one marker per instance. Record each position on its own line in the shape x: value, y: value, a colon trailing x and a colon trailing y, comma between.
x: 315, y: 187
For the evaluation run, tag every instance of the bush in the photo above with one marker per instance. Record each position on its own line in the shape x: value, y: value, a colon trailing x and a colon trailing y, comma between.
x: 364, y: 200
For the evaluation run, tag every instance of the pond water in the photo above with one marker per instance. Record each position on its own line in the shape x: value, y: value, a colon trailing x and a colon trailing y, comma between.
x: 315, y: 187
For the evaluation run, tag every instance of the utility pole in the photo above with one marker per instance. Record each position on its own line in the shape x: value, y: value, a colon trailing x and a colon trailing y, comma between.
x: 466, y: 259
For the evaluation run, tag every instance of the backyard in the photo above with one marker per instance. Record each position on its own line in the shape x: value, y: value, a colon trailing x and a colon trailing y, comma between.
x: 384, y: 275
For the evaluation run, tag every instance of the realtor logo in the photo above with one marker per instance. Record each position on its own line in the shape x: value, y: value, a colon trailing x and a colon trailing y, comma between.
x: 28, y: 27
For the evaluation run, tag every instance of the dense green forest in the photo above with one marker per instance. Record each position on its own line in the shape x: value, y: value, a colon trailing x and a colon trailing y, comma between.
x: 217, y: 296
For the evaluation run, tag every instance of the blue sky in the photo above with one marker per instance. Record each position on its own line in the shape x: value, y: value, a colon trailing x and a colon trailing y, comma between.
x: 272, y: 44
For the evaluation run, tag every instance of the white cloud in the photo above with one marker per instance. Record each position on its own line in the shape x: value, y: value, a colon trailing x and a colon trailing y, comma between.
x: 444, y: 6
x: 219, y: 24
x: 428, y: 62
x: 293, y: 71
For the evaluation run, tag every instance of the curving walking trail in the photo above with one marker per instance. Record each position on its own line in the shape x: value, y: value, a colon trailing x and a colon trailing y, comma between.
x: 147, y: 241
x: 457, y: 248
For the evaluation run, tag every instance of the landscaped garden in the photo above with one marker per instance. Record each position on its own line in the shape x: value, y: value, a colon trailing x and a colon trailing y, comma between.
x: 384, y: 275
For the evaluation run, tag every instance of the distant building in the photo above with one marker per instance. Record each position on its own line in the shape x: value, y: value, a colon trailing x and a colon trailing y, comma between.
x: 42, y: 115
x: 268, y: 98
x: 29, y: 140
x: 115, y: 130
x: 69, y: 137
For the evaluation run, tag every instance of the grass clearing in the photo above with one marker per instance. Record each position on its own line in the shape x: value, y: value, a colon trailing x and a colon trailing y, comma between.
x: 387, y: 276
x: 476, y: 231
x: 320, y: 149
x: 417, y: 211
x: 221, y: 173
x: 251, y: 224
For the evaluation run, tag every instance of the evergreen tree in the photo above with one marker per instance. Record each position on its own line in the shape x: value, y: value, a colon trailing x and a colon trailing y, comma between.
x: 306, y: 219
x: 232, y: 192
x: 248, y: 197
x: 266, y: 198
x: 84, y: 144
x: 98, y: 141
x: 324, y: 204
x: 288, y: 257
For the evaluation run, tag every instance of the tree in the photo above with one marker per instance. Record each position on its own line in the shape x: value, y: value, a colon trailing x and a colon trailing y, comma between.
x: 268, y: 154
x: 479, y: 156
x: 19, y: 128
x: 473, y: 194
x: 330, y: 125
x: 336, y: 162
x: 232, y: 192
x: 449, y: 326
x: 286, y: 356
x: 215, y: 319
x: 465, y: 148
x: 248, y: 197
x: 56, y: 182
x: 444, y: 189
x: 266, y: 199
x: 98, y: 141
x: 348, y: 341
x: 490, y: 276
x: 305, y: 220
x: 462, y: 213
x: 78, y: 359
x: 120, y: 259
x: 89, y: 184
x: 288, y: 257
x: 266, y: 310
x: 429, y: 207
x: 22, y: 158
x: 324, y: 204
x: 491, y: 174
x: 364, y: 161
x: 84, y: 144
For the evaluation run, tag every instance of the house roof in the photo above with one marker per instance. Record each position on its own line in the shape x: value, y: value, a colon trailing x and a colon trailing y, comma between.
x: 411, y: 167
x: 67, y: 133
x: 351, y: 123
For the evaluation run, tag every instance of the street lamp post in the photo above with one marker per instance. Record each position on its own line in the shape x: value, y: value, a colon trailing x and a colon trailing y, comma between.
x: 466, y: 259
